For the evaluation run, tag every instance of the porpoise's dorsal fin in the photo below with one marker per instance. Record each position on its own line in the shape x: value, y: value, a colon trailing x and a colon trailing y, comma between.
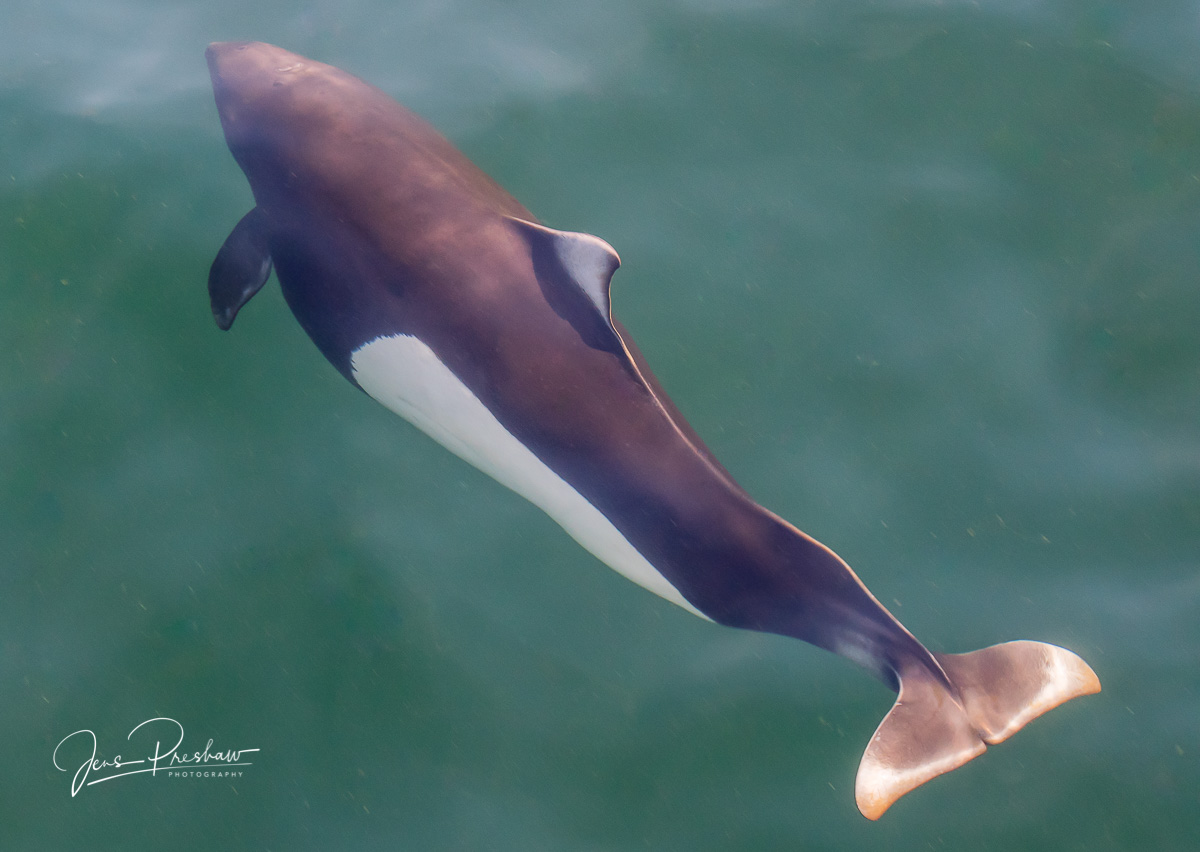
x: 575, y: 271
x: 241, y: 268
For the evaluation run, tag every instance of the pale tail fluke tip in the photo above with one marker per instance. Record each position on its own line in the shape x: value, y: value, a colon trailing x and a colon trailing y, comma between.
x: 930, y: 731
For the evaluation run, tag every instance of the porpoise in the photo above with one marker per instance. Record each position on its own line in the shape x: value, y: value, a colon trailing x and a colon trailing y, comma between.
x: 439, y: 295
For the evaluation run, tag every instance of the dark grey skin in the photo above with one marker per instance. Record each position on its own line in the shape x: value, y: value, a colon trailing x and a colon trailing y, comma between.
x: 376, y: 225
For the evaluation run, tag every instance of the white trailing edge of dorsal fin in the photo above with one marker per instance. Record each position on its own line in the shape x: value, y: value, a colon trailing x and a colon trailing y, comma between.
x: 588, y: 261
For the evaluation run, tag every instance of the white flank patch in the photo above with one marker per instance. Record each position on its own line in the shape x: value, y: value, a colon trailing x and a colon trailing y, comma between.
x: 406, y: 376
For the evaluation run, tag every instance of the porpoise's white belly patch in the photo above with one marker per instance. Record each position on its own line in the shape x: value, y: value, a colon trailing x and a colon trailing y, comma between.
x: 406, y: 376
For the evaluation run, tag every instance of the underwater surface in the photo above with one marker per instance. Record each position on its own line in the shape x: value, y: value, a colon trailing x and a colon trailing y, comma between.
x: 923, y: 275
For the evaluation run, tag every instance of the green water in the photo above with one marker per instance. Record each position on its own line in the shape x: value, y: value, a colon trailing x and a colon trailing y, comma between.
x: 923, y: 275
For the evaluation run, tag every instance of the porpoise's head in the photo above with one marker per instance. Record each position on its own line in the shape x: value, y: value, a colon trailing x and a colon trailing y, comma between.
x: 285, y: 115
x: 245, y: 72
x: 309, y: 135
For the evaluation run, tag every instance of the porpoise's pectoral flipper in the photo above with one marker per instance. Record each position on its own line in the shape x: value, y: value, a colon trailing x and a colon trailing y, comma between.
x: 241, y: 268
x: 933, y: 729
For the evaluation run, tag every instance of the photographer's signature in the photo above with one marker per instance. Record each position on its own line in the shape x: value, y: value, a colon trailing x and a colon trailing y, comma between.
x: 171, y: 762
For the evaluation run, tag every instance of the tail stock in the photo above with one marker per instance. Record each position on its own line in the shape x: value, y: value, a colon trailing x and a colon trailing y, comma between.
x: 933, y: 729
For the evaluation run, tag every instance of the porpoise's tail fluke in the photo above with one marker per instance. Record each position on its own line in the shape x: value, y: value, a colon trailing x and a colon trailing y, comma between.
x: 933, y: 729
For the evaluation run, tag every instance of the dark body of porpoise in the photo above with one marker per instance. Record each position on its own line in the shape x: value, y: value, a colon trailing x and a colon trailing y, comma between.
x: 433, y: 290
